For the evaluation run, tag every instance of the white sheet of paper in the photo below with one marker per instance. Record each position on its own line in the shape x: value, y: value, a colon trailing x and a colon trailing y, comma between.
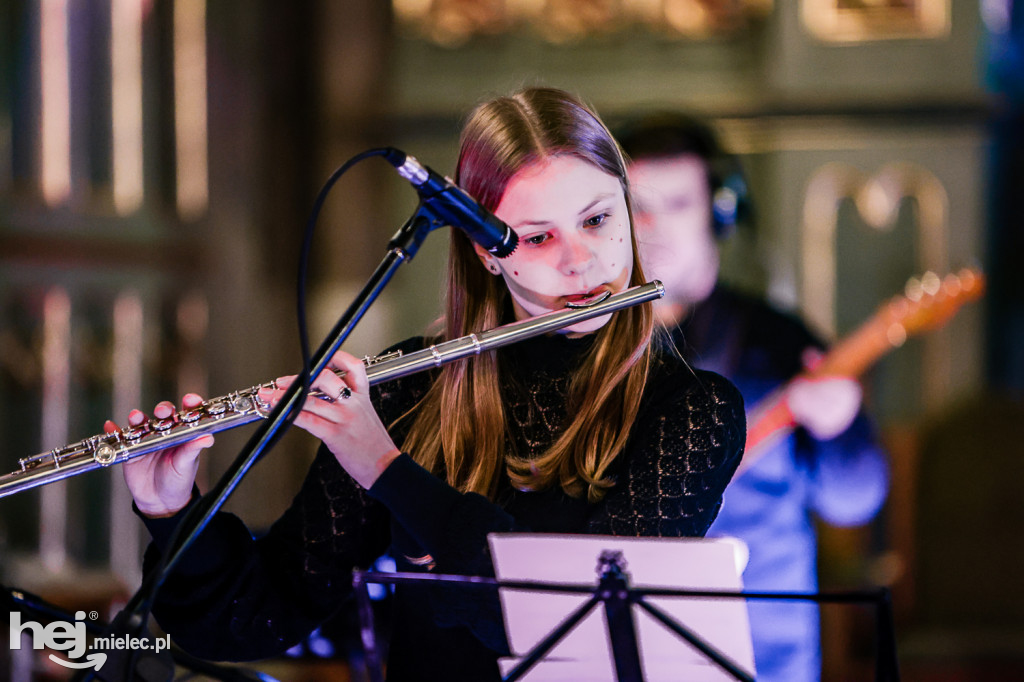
x: 584, y: 654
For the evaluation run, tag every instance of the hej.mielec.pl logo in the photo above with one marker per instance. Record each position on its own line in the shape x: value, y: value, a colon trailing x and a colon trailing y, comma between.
x: 72, y: 638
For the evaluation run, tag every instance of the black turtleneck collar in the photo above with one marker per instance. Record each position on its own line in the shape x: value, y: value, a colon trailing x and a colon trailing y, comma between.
x: 555, y: 353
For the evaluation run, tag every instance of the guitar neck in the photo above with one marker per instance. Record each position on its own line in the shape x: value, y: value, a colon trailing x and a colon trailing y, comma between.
x: 855, y: 353
x: 771, y: 418
x: 935, y: 303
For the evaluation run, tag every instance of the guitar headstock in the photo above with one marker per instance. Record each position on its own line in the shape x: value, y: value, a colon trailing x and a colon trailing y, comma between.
x: 930, y: 301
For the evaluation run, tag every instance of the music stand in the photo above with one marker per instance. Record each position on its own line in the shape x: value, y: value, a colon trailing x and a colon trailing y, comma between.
x: 717, y: 648
x: 615, y: 592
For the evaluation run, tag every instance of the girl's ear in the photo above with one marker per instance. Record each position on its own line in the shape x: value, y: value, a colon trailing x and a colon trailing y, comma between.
x: 489, y: 261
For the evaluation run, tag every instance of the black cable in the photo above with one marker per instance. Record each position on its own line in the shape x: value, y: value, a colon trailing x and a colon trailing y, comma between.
x: 307, y: 243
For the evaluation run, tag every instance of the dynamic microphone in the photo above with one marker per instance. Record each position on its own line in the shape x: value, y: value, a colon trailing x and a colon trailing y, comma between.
x: 451, y: 204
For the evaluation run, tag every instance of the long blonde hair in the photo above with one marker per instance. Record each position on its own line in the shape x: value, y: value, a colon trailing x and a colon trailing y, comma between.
x: 460, y: 428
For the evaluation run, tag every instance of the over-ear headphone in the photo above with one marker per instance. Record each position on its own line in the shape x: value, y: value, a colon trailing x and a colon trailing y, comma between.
x: 664, y: 134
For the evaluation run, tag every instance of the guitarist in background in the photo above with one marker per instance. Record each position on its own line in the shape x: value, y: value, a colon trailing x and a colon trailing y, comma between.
x: 830, y: 465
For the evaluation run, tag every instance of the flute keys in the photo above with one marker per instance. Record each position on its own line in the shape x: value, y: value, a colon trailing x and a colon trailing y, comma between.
x: 190, y: 417
x: 105, y: 454
x: 162, y: 424
x: 241, y: 403
x: 371, y: 360
x: 262, y: 406
x: 135, y: 433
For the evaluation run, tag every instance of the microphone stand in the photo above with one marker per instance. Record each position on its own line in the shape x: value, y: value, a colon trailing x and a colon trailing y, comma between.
x: 402, y: 247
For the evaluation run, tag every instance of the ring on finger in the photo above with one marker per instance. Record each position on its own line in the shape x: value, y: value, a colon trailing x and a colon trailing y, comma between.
x: 344, y: 394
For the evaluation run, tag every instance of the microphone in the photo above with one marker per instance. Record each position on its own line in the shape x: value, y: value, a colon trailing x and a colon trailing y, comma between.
x: 450, y: 203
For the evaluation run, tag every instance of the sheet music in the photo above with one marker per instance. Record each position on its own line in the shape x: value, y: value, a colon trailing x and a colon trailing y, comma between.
x: 584, y: 654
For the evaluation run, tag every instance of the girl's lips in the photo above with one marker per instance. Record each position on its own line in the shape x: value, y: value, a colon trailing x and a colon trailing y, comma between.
x: 585, y: 299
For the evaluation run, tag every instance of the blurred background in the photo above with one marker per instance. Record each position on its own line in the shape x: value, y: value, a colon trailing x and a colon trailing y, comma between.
x: 159, y: 160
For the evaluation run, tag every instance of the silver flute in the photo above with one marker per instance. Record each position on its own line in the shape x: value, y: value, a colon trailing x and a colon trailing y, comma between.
x: 244, y: 406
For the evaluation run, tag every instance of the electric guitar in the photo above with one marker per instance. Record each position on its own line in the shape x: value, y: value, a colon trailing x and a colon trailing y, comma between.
x: 929, y: 302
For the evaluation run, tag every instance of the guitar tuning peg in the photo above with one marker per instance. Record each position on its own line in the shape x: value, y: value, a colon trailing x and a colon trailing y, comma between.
x: 931, y: 283
x: 913, y: 290
x: 971, y: 280
x: 952, y: 285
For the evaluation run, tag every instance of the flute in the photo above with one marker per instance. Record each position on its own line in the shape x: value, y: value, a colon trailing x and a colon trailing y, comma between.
x: 244, y: 406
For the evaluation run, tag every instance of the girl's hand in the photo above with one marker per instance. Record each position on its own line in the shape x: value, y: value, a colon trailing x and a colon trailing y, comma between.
x: 345, y: 421
x: 161, y: 482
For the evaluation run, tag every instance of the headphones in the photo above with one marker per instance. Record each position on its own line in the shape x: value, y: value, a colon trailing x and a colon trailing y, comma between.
x: 730, y: 201
x: 664, y: 134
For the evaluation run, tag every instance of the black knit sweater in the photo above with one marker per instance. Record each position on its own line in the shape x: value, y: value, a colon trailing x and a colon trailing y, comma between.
x: 235, y: 598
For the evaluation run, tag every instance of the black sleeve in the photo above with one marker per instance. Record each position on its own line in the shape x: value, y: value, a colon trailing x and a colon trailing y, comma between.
x: 449, y: 525
x: 236, y: 598
x: 685, y: 449
x: 452, y: 527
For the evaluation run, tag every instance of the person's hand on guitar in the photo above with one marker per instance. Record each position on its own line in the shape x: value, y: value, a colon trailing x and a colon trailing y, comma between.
x: 824, y: 405
x: 825, y: 398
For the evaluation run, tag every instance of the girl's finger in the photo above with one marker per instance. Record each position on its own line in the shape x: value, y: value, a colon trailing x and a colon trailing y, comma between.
x: 284, y: 382
x: 331, y: 385
x: 163, y: 409
x: 355, y: 371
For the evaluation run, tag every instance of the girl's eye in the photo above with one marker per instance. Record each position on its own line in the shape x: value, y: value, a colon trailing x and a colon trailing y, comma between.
x: 597, y: 220
x: 536, y: 239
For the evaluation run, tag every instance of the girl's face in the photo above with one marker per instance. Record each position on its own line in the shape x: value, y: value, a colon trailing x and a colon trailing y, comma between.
x: 574, y: 238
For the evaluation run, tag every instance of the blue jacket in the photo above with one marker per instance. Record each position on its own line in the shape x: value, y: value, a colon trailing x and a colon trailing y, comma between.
x: 772, y: 505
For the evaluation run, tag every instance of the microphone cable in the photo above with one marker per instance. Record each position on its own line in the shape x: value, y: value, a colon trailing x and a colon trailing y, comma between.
x: 156, y: 576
